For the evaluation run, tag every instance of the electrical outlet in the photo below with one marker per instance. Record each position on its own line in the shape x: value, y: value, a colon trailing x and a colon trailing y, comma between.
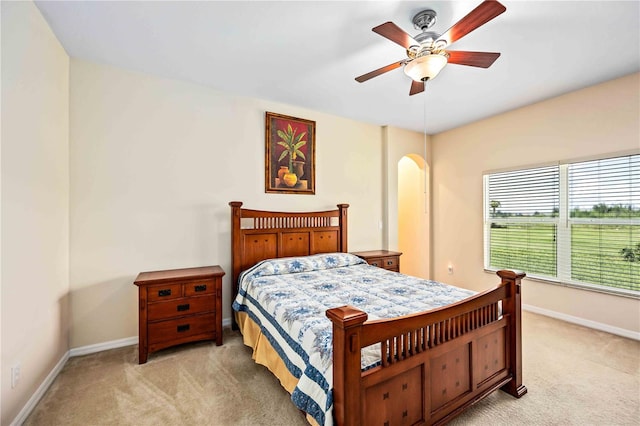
x: 15, y: 375
x: 450, y: 269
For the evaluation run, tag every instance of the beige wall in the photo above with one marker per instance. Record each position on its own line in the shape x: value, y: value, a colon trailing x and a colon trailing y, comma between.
x: 34, y: 199
x: 154, y: 164
x: 594, y: 121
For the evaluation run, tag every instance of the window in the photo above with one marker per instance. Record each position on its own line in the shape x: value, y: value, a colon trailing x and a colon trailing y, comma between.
x: 576, y: 223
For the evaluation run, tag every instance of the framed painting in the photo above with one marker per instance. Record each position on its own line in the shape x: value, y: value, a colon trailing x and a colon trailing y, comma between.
x: 290, y: 154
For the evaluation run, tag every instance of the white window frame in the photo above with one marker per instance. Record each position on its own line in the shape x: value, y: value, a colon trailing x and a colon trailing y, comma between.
x: 563, y: 224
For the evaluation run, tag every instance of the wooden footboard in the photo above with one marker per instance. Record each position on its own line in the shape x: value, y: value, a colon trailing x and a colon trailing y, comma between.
x: 434, y: 364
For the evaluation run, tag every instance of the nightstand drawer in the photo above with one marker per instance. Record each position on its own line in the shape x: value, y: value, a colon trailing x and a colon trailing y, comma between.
x: 168, y: 330
x: 390, y: 262
x: 181, y: 307
x: 384, y: 262
x: 164, y: 292
x: 375, y: 262
x: 198, y: 288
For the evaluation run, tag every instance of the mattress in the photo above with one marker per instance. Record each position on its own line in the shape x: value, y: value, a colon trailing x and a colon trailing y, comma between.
x: 288, y: 297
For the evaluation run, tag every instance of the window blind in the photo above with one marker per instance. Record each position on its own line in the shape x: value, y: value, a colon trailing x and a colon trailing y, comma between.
x: 604, y: 221
x: 522, y: 208
x: 525, y: 193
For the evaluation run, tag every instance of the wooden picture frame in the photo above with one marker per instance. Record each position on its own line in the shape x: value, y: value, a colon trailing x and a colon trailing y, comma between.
x: 290, y: 160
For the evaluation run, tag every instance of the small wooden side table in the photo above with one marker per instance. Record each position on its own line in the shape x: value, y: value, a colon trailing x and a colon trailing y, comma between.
x: 385, y: 259
x: 178, y: 306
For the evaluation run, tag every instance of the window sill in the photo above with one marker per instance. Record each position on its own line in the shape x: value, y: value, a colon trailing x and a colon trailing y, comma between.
x: 586, y: 287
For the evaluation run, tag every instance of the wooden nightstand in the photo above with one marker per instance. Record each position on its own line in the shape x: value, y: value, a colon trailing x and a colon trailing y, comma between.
x: 381, y: 258
x: 178, y: 306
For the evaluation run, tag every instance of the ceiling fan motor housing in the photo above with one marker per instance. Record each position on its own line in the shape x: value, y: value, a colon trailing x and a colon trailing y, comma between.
x: 427, y: 37
x: 424, y: 20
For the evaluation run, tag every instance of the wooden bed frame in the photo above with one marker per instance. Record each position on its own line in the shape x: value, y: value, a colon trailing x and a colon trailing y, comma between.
x: 434, y: 365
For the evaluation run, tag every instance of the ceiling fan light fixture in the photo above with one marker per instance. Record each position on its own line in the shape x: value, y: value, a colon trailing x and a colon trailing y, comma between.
x: 425, y: 67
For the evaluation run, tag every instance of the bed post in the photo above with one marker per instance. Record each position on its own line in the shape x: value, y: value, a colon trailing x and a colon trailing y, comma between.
x: 235, y: 254
x: 512, y: 308
x: 343, y: 226
x: 347, y: 325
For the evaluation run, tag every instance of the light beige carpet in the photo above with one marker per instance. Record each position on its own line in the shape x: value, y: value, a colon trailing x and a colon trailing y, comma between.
x: 575, y: 376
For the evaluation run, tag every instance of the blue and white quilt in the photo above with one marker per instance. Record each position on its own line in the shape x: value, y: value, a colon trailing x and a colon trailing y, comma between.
x: 288, y: 298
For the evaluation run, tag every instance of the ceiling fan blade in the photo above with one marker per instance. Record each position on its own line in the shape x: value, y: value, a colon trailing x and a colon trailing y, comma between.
x: 486, y: 11
x: 395, y: 34
x: 416, y: 87
x: 379, y: 71
x: 474, y: 59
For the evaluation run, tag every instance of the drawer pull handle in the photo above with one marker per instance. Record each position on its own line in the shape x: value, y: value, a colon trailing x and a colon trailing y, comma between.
x: 202, y: 287
x: 374, y: 263
x: 163, y: 293
x: 182, y: 328
x: 389, y: 262
x: 184, y: 307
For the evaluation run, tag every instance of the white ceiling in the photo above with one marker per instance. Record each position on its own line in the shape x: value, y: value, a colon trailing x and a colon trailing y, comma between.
x: 307, y: 53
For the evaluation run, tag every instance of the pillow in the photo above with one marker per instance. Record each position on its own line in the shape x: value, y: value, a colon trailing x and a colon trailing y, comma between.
x: 292, y: 265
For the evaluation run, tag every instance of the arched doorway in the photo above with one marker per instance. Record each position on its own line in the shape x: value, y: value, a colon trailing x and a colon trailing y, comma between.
x: 413, y: 216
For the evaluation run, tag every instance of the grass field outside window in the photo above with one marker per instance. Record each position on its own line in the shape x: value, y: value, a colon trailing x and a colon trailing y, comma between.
x: 532, y: 247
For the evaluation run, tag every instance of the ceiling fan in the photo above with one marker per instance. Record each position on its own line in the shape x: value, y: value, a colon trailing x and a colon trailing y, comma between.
x: 426, y: 54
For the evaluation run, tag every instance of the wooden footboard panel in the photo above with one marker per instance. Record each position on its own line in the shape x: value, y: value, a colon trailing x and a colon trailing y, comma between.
x: 434, y: 364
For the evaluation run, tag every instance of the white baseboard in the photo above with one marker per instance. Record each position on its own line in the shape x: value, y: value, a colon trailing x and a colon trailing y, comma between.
x: 584, y: 322
x: 99, y: 347
x: 39, y: 393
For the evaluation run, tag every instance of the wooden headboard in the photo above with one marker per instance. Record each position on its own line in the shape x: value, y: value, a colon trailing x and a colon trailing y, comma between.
x: 257, y: 235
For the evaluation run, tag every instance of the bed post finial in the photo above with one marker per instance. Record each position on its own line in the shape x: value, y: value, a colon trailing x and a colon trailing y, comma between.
x: 512, y: 308
x: 343, y: 226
